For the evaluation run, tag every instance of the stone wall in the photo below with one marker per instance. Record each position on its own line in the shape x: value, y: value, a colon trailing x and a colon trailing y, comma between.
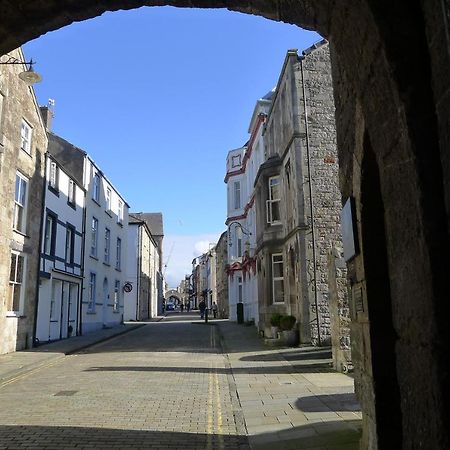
x: 19, y: 102
x: 221, y: 275
x: 319, y: 155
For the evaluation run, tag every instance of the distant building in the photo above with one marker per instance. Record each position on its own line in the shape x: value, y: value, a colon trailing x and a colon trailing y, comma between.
x: 242, y: 167
x: 23, y: 143
x: 221, y: 253
x: 154, y: 222
x: 142, y: 271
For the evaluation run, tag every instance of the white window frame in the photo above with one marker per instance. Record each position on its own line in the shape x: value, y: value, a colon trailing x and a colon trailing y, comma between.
x: 107, y: 252
x: 96, y: 181
x: 277, y: 279
x: 108, y: 199
x: 53, y: 175
x: 71, y: 196
x: 94, y: 237
x: 13, y: 283
x: 239, y: 251
x: 70, y: 244
x: 237, y: 194
x: 18, y: 205
x: 240, y: 290
x: 26, y: 135
x: 120, y: 212
x: 271, y: 201
x: 118, y: 253
x: 92, y: 291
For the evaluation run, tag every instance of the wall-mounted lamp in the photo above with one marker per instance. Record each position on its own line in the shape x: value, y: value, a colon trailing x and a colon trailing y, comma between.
x: 28, y: 76
x: 239, y: 225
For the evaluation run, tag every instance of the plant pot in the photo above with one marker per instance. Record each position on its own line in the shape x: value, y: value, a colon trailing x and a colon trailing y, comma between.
x: 291, y: 337
x: 274, y: 331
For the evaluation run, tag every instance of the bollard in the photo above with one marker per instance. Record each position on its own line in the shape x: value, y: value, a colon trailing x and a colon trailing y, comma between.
x: 206, y: 315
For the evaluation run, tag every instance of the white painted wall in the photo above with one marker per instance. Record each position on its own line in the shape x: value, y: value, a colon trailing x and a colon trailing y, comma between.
x: 102, y: 312
x: 60, y: 280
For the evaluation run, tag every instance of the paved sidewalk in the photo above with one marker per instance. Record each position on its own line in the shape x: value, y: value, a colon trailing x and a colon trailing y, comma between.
x: 14, y: 365
x: 290, y: 397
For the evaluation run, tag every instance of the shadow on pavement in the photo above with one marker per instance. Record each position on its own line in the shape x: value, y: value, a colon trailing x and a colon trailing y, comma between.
x: 342, y: 435
x: 334, y: 402
x: 312, y: 368
x: 297, y: 355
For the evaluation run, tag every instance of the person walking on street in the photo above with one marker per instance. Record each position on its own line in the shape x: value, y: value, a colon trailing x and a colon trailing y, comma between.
x: 214, y: 310
x: 202, y: 308
x: 182, y: 306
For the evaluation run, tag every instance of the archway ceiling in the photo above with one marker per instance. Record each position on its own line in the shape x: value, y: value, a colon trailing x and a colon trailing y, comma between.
x: 24, y: 20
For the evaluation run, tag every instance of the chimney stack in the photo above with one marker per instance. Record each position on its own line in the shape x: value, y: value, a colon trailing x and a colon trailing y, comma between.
x: 47, y: 116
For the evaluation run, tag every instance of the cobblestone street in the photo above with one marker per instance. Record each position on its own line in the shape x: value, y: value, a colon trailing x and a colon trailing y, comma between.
x: 169, y: 385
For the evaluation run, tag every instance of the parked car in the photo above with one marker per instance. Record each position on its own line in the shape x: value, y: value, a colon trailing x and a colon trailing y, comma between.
x: 170, y: 307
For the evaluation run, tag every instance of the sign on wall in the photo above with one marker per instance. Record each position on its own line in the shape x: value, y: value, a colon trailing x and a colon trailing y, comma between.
x: 348, y: 227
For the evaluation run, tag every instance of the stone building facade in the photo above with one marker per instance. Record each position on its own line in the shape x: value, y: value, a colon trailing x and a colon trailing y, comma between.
x: 297, y: 196
x: 142, y: 271
x: 222, y: 276
x: 23, y: 143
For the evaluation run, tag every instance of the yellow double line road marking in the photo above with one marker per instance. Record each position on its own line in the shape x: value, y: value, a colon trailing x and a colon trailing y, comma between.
x: 214, y: 408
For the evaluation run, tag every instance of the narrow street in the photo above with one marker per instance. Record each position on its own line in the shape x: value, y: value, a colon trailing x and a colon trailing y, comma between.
x: 169, y: 385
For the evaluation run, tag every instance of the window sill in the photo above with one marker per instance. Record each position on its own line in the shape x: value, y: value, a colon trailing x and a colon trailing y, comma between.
x: 16, y: 314
x: 91, y: 312
x: 96, y: 202
x: 116, y: 312
x: 109, y: 212
x: 118, y: 269
x: 21, y: 233
x: 120, y: 224
x: 27, y: 153
x: 106, y: 264
x: 72, y: 205
x: 93, y: 257
x: 53, y: 190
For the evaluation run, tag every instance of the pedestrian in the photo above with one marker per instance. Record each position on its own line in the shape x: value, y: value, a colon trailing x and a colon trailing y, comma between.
x: 214, y: 310
x: 182, y: 306
x: 188, y: 306
x: 202, y: 308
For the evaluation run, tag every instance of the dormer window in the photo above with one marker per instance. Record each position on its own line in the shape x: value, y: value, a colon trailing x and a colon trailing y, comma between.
x: 235, y: 161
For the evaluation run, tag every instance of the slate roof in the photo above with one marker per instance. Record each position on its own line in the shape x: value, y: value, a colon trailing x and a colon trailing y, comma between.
x: 153, y: 220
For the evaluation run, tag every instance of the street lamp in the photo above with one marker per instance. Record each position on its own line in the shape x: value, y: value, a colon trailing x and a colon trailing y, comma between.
x: 28, y: 76
x: 237, y: 224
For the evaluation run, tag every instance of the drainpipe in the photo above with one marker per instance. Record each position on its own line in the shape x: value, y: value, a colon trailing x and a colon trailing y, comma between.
x: 311, y: 203
x: 82, y: 272
x: 41, y: 227
x: 138, y: 268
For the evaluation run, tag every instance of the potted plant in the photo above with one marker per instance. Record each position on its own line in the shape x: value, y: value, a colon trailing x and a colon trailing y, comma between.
x: 289, y: 331
x: 275, y: 324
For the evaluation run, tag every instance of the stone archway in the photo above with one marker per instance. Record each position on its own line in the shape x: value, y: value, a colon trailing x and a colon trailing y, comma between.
x: 391, y: 62
x: 174, y: 294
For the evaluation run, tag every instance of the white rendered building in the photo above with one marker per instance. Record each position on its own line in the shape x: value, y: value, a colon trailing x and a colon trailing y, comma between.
x: 61, y: 261
x: 242, y: 167
x: 106, y: 224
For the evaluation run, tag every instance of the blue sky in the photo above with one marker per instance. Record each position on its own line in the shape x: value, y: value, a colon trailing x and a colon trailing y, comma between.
x: 158, y: 96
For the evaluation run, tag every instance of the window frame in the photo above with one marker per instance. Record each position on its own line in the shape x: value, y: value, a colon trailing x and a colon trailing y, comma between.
x: 25, y: 141
x: 277, y: 279
x: 107, y: 247
x: 116, y: 302
x: 96, y: 182
x: 92, y: 292
x: 71, y: 192
x: 17, y: 204
x: 94, y: 237
x: 120, y: 207
x: 50, y: 233
x: 12, y: 283
x: 118, y: 253
x: 237, y: 194
x: 271, y: 201
x: 53, y: 176
x: 70, y: 245
x: 108, y: 199
x: 235, y: 161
